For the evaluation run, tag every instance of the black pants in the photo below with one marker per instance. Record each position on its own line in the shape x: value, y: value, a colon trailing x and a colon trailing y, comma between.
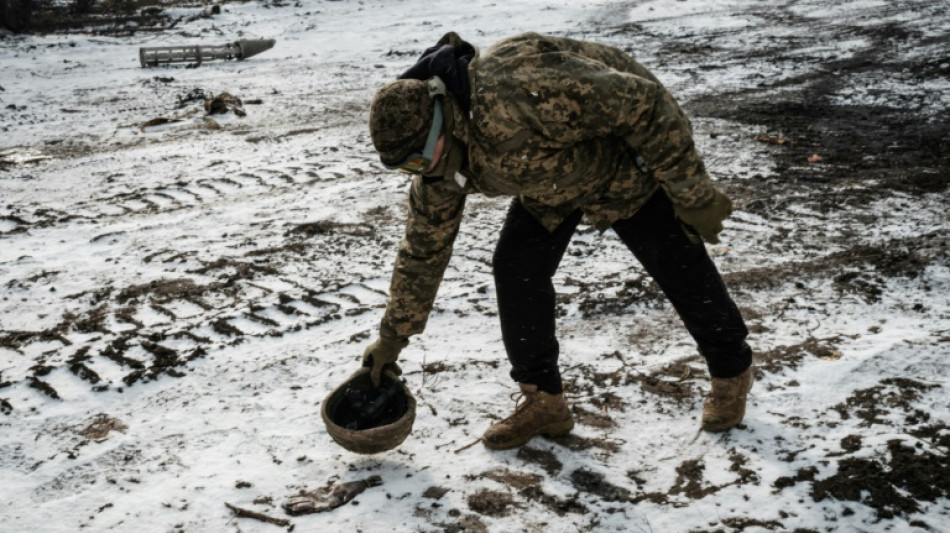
x: 527, y: 255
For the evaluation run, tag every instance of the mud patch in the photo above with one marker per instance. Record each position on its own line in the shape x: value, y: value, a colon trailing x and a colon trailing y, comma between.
x: 741, y: 523
x: 17, y: 339
x: 329, y: 227
x: 575, y: 443
x: 466, y: 524
x: 595, y: 420
x: 165, y: 290
x: 491, y: 503
x: 893, y: 485
x: 672, y: 381
x: 559, y: 506
x: 543, y: 458
x: 607, y: 296
x: 594, y: 483
x: 101, y: 425
x: 233, y: 271
x: 435, y: 492
x: 529, y: 487
x: 515, y: 480
x: 937, y: 435
x: 689, y: 480
x: 803, y: 474
x: 779, y: 358
x: 860, y: 270
x: 892, y: 144
x: 877, y: 405
x: 43, y: 387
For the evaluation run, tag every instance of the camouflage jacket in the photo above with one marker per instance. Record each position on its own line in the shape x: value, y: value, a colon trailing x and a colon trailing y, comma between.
x: 560, y: 124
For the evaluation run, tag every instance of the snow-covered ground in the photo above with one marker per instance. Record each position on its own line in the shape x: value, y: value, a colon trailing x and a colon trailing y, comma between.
x: 193, y: 290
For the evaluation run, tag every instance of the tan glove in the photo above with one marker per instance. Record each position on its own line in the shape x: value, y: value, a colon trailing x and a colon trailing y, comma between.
x: 706, y: 221
x: 383, y: 353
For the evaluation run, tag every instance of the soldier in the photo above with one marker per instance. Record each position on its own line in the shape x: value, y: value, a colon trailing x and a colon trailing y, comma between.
x: 570, y: 129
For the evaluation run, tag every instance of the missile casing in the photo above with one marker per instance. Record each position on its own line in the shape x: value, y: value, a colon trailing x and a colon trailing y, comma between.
x: 197, y: 54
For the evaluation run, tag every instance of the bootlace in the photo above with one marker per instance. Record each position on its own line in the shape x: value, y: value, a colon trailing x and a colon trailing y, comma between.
x: 522, y: 401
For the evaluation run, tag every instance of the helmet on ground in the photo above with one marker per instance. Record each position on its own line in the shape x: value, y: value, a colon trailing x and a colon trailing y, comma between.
x: 366, y: 419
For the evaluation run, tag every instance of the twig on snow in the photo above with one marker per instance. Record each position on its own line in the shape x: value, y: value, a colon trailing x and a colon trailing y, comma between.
x: 246, y: 513
x: 467, y: 446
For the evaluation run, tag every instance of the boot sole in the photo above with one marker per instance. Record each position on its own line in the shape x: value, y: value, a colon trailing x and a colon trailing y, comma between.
x: 551, y: 430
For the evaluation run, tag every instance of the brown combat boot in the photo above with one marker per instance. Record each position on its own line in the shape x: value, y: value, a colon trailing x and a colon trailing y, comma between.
x: 539, y: 413
x: 725, y: 405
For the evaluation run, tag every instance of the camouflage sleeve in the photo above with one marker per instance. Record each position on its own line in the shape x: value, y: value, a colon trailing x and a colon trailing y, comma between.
x: 435, y: 212
x: 663, y: 137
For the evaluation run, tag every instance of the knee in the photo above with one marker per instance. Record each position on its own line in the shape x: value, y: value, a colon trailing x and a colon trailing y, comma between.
x: 505, y: 266
x: 513, y: 265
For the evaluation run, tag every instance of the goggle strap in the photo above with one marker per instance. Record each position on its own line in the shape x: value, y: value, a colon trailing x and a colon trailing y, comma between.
x: 434, y: 131
x: 436, y: 88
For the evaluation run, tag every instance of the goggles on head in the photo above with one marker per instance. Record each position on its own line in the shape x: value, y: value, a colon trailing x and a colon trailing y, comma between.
x: 417, y: 163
